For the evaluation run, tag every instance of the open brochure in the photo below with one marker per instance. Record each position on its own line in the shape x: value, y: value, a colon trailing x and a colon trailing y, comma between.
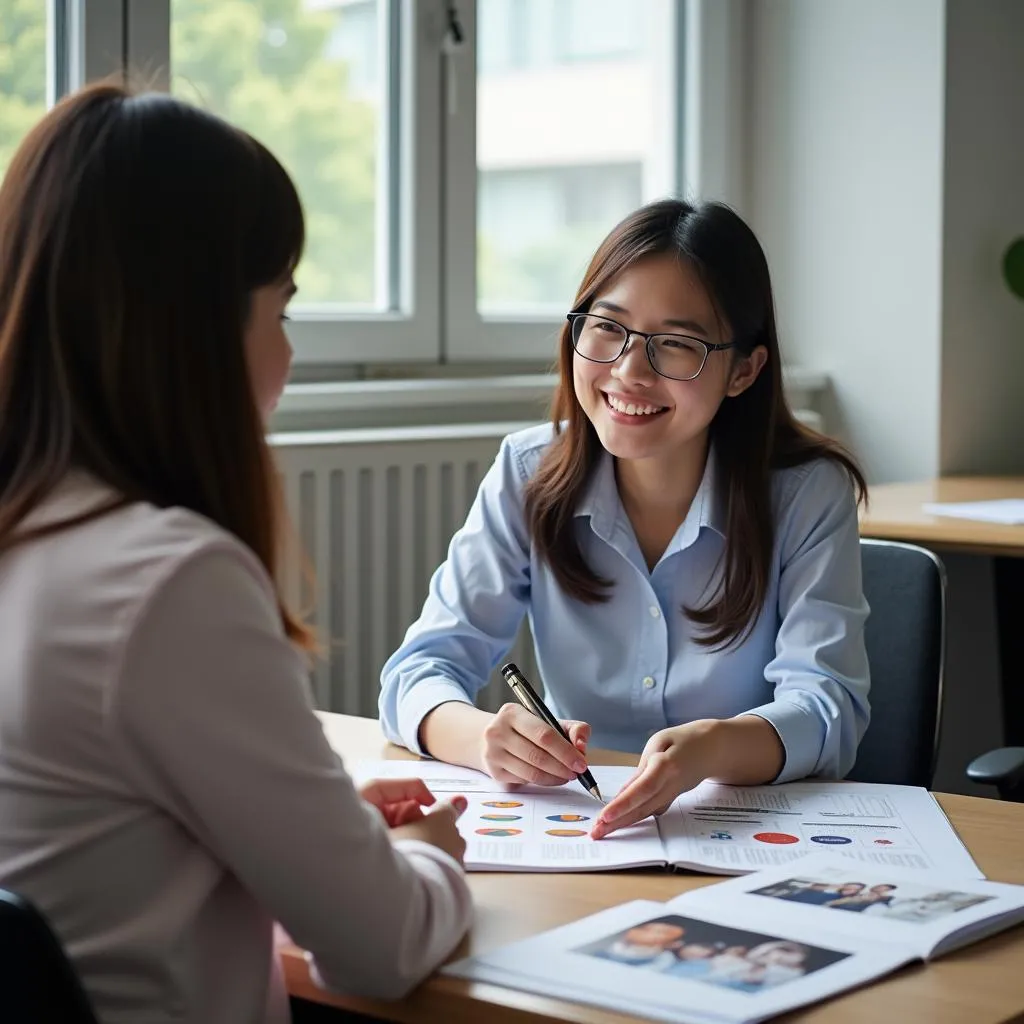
x: 728, y: 830
x: 752, y: 947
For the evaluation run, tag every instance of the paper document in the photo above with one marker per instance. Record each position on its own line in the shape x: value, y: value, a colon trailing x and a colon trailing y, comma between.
x: 727, y: 830
x: 753, y: 947
x: 1008, y: 511
x: 731, y: 830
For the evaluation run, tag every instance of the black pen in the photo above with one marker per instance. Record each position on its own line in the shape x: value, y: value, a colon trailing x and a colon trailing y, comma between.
x: 526, y: 696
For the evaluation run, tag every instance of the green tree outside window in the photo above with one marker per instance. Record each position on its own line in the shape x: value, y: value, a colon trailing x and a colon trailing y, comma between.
x: 265, y: 65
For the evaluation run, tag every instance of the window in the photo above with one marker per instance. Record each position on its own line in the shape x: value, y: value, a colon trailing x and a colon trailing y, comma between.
x: 576, y: 108
x: 23, y: 71
x: 305, y: 79
x: 47, y: 47
x: 458, y: 160
x: 566, y: 142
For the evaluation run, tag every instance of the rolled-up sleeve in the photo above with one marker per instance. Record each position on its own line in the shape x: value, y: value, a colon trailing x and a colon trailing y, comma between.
x: 820, y: 669
x: 475, y: 605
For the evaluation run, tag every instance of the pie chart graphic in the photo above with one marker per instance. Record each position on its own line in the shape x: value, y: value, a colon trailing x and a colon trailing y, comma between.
x: 499, y: 833
x: 776, y: 838
x: 502, y: 803
x: 570, y: 833
x: 501, y: 817
x: 568, y: 817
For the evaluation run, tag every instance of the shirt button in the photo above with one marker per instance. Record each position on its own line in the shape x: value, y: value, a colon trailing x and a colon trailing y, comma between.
x: 655, y: 611
x: 648, y: 682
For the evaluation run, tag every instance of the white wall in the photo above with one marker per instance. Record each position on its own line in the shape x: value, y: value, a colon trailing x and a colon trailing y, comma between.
x: 887, y: 177
x: 846, y: 196
x: 982, y: 391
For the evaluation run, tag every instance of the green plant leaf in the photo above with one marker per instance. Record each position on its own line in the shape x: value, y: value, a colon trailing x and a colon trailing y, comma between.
x: 1013, y: 267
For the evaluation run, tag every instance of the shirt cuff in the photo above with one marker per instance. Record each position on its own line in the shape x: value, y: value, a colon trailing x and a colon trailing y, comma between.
x: 412, y: 847
x: 421, y: 699
x: 801, y: 733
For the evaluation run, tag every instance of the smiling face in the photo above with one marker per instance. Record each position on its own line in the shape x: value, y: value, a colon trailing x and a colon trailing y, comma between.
x: 654, y: 933
x: 637, y: 413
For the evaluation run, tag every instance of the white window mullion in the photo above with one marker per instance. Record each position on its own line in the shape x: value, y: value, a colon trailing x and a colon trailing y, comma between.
x: 95, y: 43
x: 148, y: 43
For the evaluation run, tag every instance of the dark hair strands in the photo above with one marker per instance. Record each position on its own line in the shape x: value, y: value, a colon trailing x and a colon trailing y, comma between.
x: 133, y: 230
x: 753, y: 433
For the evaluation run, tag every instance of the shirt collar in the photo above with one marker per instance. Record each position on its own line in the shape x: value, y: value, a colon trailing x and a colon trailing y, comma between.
x: 600, y: 501
x: 600, y: 498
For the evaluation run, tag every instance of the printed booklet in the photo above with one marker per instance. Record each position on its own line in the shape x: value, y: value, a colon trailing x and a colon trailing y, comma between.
x: 748, y: 948
x: 727, y: 830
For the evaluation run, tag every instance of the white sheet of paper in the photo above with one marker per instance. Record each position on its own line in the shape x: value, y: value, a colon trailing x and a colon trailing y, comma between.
x: 728, y: 830
x: 531, y: 828
x: 924, y: 911
x: 1008, y: 511
x: 563, y: 963
x: 732, y: 830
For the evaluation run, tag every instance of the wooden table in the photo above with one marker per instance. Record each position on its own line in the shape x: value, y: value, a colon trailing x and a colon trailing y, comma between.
x: 895, y: 513
x: 981, y: 984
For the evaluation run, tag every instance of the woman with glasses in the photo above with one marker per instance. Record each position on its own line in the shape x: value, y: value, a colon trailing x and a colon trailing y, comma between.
x: 686, y: 551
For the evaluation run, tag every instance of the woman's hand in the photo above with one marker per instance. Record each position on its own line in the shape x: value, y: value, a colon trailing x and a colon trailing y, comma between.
x: 517, y: 747
x: 674, y: 761
x: 400, y: 801
x: 438, y: 828
x: 743, y: 751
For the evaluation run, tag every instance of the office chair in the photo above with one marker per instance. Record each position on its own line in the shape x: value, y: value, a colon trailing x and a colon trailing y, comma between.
x: 37, y: 981
x: 905, y: 636
x: 1002, y: 768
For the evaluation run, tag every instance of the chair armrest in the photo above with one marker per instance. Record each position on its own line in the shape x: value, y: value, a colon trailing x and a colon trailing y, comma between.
x: 1003, y: 767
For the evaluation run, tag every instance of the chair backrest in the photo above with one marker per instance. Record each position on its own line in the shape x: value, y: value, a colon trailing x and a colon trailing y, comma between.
x: 37, y: 981
x: 905, y: 635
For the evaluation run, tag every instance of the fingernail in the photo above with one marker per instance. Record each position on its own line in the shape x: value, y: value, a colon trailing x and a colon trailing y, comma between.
x: 460, y: 803
x: 579, y: 765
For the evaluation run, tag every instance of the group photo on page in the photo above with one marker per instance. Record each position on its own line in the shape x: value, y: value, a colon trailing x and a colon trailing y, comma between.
x: 438, y: 444
x: 740, y: 960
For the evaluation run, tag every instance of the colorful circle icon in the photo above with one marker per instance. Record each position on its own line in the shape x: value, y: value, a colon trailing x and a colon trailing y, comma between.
x: 502, y: 803
x: 501, y: 817
x: 776, y: 838
x: 831, y: 840
x: 499, y: 833
x: 568, y: 817
x: 568, y: 833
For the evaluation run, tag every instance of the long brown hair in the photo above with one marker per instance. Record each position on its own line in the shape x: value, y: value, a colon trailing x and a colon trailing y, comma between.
x: 133, y: 230
x: 753, y: 433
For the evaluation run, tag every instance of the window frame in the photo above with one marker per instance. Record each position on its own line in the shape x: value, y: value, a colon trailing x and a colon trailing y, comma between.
x: 409, y: 185
x: 434, y: 187
x: 469, y: 335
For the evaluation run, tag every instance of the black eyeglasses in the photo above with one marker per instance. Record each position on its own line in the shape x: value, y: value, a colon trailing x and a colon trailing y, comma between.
x: 676, y: 356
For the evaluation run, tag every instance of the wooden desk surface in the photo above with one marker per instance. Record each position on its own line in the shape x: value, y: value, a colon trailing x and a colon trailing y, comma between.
x: 894, y: 513
x: 981, y: 984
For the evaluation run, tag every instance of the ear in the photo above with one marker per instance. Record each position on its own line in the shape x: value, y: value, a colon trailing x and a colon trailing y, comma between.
x: 745, y: 371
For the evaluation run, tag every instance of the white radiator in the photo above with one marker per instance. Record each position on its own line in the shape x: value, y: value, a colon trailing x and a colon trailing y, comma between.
x: 374, y: 511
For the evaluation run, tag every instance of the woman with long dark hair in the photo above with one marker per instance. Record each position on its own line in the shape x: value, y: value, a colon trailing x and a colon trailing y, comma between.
x: 166, y: 792
x: 686, y: 551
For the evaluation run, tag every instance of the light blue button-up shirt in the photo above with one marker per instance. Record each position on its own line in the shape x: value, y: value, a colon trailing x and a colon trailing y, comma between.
x: 630, y: 666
